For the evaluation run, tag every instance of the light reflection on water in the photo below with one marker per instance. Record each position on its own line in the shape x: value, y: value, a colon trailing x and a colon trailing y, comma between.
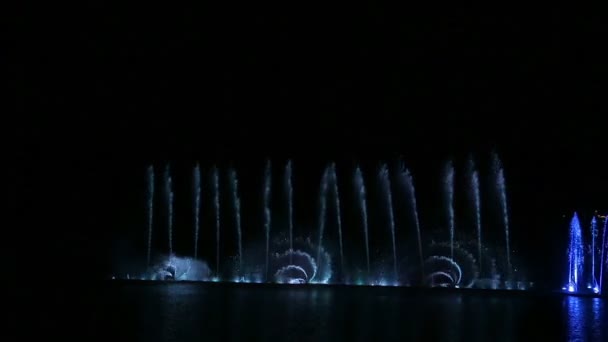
x: 192, y: 312
x: 584, y: 319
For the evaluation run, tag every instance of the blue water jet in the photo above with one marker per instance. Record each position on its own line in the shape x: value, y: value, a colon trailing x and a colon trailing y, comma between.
x: 575, y: 255
x: 359, y: 184
x: 266, y: 200
x: 475, y: 199
x: 169, y: 203
x: 236, y: 202
x: 502, y: 193
x: 386, y: 186
x: 407, y: 182
x: 336, y: 195
x: 150, y: 209
x: 594, y: 231
x: 603, y: 262
x: 196, y: 187
x: 448, y: 183
x: 216, y: 207
x: 322, y: 210
x: 289, y: 191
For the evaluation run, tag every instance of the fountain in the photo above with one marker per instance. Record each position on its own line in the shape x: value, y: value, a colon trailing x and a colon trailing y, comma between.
x: 386, y: 187
x: 603, y: 262
x: 362, y: 202
x: 594, y: 284
x: 336, y: 195
x: 236, y: 202
x: 408, y: 184
x: 502, y: 192
x: 449, y: 195
x: 150, y: 209
x: 322, y: 210
x: 196, y: 186
x: 461, y: 259
x: 289, y: 190
x: 267, y: 185
x: 475, y: 199
x: 216, y: 207
x: 169, y: 204
x: 575, y: 255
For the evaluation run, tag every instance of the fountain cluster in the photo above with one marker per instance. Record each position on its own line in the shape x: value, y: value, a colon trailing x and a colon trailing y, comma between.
x: 582, y: 278
x: 316, y: 257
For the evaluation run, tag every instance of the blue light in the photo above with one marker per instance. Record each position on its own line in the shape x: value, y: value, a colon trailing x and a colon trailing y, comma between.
x: 575, y: 255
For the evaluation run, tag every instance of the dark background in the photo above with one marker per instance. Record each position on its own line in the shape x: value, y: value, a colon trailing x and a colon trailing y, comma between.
x: 98, y: 92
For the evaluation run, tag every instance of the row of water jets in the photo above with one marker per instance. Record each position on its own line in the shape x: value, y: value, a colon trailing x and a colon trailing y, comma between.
x: 329, y: 187
x: 576, y: 256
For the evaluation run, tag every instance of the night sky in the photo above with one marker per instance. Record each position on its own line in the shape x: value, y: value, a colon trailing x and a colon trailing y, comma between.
x: 97, y: 93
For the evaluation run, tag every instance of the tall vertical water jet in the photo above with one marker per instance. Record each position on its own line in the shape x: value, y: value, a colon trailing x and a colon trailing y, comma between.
x: 362, y: 201
x: 336, y: 194
x: 594, y: 232
x: 475, y: 199
x: 322, y: 212
x: 407, y: 182
x: 267, y: 188
x: 289, y: 191
x: 196, y: 188
x: 575, y: 254
x: 216, y: 207
x: 169, y: 202
x: 448, y: 183
x: 236, y: 201
x: 502, y: 193
x: 603, y: 261
x: 150, y: 208
x: 386, y: 187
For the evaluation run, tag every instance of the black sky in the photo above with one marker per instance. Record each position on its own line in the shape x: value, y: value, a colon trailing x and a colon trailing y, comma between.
x: 98, y: 92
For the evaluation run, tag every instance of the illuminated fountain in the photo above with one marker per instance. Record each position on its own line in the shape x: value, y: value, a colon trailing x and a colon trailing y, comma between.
x: 604, y: 256
x: 405, y: 178
x: 150, y: 209
x: 267, y: 216
x: 336, y: 196
x: 575, y: 255
x: 501, y: 189
x: 441, y: 257
x: 593, y: 285
x: 196, y: 185
x: 362, y: 202
x: 385, y: 183
x: 236, y: 201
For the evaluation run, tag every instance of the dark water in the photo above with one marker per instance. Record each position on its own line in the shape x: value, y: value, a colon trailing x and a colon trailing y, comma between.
x: 214, y: 312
